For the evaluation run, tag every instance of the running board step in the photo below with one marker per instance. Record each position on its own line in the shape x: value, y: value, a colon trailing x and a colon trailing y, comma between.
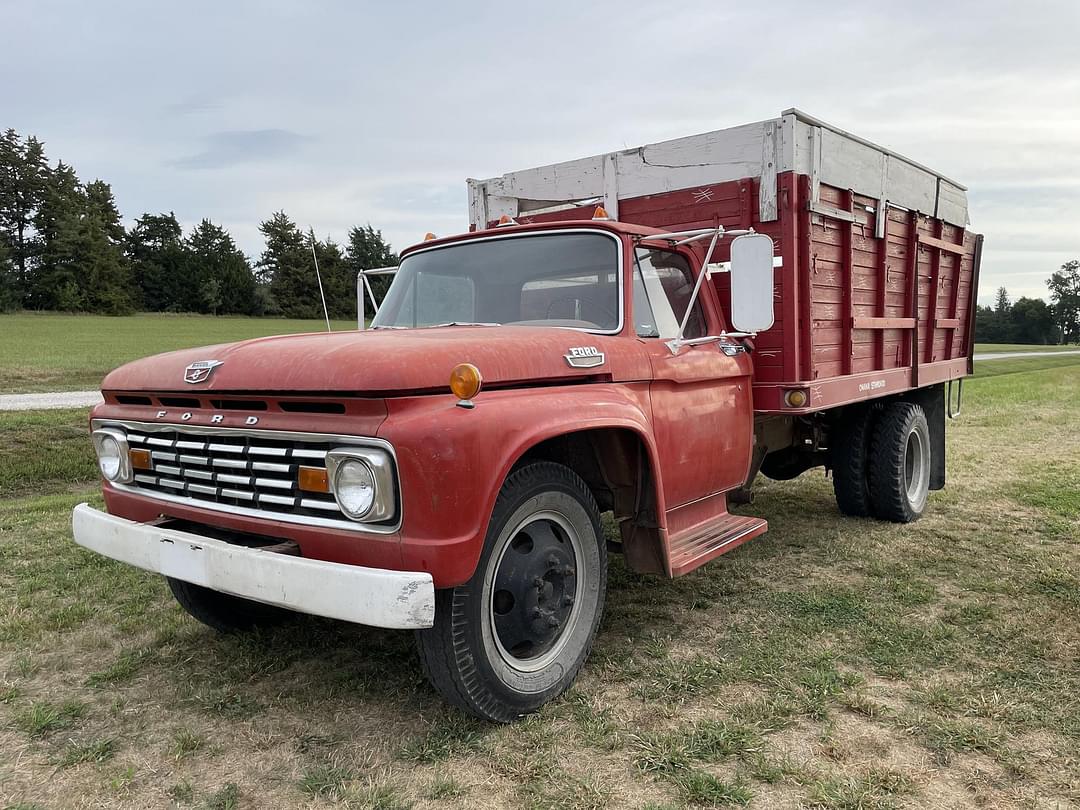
x: 702, y: 543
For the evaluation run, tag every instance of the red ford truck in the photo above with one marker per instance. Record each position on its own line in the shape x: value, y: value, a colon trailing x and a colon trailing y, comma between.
x: 640, y: 332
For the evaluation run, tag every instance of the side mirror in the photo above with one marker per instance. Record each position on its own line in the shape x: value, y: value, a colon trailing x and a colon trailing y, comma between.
x: 752, y: 282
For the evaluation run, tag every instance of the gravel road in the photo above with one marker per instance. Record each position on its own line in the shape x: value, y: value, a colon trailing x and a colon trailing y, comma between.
x: 42, y: 402
x: 1010, y: 355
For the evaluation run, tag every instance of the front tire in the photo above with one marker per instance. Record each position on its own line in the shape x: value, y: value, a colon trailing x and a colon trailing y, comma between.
x: 224, y: 612
x: 515, y: 636
x: 900, y: 466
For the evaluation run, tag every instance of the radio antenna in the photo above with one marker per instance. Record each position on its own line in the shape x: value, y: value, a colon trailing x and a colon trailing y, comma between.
x: 318, y: 275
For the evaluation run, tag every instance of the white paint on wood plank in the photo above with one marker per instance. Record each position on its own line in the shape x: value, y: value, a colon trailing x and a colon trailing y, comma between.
x: 767, y: 186
x: 795, y: 142
x: 881, y: 213
x: 611, y: 185
x: 477, y: 202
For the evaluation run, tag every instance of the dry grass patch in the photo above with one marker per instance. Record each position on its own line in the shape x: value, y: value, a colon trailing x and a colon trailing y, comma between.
x: 832, y: 663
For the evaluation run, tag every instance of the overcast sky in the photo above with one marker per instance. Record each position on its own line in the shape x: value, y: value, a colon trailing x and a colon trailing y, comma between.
x: 343, y: 113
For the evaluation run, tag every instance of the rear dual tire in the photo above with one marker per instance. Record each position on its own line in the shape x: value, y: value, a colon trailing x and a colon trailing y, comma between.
x: 882, y: 462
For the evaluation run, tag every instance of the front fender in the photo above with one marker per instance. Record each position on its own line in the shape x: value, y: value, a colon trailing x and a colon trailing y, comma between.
x: 452, y: 461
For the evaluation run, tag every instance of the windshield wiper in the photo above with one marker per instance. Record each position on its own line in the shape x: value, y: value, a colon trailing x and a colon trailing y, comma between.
x: 389, y: 326
x: 460, y: 323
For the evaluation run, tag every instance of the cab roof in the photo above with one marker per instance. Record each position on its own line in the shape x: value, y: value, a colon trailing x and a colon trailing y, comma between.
x: 609, y: 225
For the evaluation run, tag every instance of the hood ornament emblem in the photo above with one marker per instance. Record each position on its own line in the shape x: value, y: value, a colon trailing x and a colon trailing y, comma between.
x: 200, y: 371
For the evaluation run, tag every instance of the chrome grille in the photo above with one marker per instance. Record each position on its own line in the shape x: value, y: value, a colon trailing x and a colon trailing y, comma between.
x: 237, y: 471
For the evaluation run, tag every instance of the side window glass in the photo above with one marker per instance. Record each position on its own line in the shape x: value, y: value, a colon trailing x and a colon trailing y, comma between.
x: 644, y: 321
x: 668, y: 284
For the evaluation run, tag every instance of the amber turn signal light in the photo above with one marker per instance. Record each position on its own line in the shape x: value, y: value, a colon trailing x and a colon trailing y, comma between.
x: 140, y: 458
x: 313, y: 479
x: 600, y: 213
x: 428, y: 236
x: 465, y: 381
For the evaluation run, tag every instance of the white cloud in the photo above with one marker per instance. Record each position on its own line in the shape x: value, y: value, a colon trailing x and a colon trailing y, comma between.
x: 393, y: 105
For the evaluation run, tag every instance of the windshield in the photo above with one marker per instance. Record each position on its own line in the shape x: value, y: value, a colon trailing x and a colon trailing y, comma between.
x: 558, y: 279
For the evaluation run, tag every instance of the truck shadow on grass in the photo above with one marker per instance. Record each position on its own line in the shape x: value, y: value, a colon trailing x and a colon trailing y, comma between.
x: 308, y: 661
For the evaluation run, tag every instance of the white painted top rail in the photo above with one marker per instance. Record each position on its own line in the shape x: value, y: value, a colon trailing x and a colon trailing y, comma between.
x: 794, y: 141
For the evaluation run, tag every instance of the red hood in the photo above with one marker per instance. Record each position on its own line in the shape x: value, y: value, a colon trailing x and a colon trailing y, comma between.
x: 382, y: 361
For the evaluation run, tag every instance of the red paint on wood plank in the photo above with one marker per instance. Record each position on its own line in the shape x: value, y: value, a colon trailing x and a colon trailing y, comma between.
x: 883, y: 323
x: 941, y: 244
x: 932, y: 292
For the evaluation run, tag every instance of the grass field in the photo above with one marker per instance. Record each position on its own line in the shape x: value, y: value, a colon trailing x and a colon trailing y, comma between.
x: 51, y: 352
x: 831, y: 664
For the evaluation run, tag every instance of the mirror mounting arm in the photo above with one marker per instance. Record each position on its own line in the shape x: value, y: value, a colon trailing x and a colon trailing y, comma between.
x: 706, y: 271
x: 679, y: 342
x: 676, y: 344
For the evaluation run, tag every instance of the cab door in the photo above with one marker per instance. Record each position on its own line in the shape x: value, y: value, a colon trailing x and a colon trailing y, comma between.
x: 701, y: 397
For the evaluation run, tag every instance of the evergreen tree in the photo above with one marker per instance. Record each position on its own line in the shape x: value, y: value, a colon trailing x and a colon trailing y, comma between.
x: 1032, y: 321
x: 223, y: 275
x: 23, y: 179
x: 81, y: 265
x: 987, y: 325
x: 55, y: 282
x: 339, y: 284
x: 1002, y: 305
x: 1065, y: 295
x: 159, y: 262
x: 287, y: 268
x: 106, y: 278
x: 8, y: 298
x: 367, y: 250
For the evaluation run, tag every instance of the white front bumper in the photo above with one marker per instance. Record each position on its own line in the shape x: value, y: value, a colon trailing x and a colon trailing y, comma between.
x: 373, y: 596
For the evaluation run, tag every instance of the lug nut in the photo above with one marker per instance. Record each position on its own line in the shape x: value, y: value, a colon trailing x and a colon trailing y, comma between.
x: 568, y: 571
x: 538, y: 583
x: 567, y: 600
x: 552, y: 621
x: 552, y: 560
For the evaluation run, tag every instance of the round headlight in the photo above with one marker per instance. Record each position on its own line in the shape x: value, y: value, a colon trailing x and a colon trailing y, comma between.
x: 354, y: 488
x: 110, y: 458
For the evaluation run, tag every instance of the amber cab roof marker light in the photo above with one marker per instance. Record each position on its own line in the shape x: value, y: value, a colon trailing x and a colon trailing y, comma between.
x: 505, y: 220
x: 601, y: 214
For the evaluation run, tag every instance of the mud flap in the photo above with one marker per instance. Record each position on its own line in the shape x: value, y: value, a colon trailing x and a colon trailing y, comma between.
x: 932, y: 400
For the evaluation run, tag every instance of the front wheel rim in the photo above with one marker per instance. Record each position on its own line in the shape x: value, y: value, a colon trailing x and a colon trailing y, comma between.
x: 533, y: 593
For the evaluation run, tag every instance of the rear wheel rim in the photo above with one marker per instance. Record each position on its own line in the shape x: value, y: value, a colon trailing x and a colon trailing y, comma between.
x: 916, y: 469
x: 534, y: 592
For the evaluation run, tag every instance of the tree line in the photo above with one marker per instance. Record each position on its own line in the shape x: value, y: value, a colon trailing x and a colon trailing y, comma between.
x: 63, y: 246
x: 1032, y: 320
